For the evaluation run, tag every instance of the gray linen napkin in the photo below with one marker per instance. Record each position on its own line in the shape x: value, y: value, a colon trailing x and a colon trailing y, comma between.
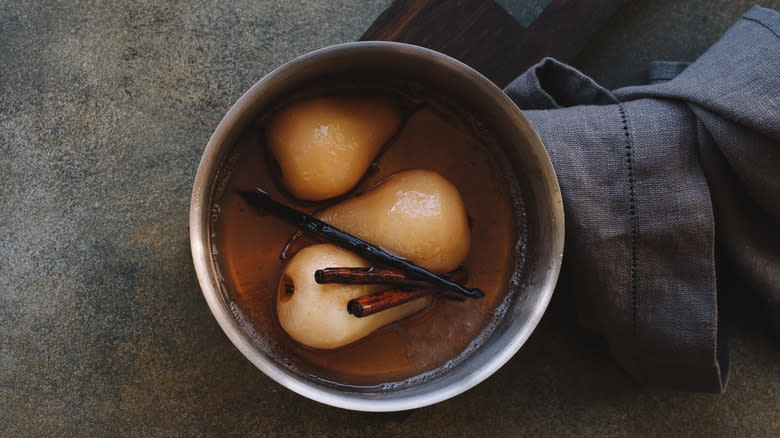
x: 672, y: 196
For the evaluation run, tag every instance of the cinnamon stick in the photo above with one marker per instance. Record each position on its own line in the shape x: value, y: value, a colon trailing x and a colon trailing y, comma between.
x: 378, y: 275
x: 262, y: 200
x: 406, y: 289
x: 386, y: 299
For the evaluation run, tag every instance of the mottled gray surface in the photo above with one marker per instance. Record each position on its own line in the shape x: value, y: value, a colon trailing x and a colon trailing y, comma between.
x: 105, y: 108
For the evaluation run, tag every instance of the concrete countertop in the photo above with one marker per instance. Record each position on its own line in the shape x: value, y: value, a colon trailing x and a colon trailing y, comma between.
x: 105, y: 109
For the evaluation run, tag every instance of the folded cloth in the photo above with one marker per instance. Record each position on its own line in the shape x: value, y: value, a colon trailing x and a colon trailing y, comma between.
x: 672, y: 196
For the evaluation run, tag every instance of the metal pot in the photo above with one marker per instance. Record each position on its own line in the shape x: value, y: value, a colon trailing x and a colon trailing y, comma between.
x: 525, y: 156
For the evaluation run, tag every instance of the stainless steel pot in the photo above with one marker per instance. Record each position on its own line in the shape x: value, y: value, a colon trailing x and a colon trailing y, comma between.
x: 525, y: 156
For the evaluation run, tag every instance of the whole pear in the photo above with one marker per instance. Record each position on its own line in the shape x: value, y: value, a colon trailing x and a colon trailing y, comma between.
x: 316, y: 314
x: 325, y: 145
x: 415, y: 214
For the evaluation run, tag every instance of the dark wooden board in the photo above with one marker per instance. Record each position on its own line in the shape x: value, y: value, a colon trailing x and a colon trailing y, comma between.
x: 485, y: 36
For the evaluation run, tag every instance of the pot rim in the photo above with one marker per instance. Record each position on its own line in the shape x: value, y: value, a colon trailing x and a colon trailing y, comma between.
x: 207, y: 273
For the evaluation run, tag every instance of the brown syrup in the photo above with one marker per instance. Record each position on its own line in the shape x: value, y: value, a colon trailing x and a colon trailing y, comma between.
x: 248, y: 244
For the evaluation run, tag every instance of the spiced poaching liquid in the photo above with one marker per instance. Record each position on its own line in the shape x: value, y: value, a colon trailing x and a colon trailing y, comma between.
x: 247, y: 244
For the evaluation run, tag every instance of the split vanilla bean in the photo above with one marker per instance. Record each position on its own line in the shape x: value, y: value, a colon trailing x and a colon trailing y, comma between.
x: 262, y: 200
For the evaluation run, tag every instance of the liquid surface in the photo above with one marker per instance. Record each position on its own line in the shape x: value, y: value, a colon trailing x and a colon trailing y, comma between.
x: 247, y: 244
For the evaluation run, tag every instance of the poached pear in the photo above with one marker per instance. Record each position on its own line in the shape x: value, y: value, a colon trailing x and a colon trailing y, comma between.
x: 325, y: 145
x: 316, y: 314
x: 415, y: 214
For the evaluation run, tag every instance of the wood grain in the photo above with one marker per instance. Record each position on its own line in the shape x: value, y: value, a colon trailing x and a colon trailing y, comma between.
x: 483, y: 35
